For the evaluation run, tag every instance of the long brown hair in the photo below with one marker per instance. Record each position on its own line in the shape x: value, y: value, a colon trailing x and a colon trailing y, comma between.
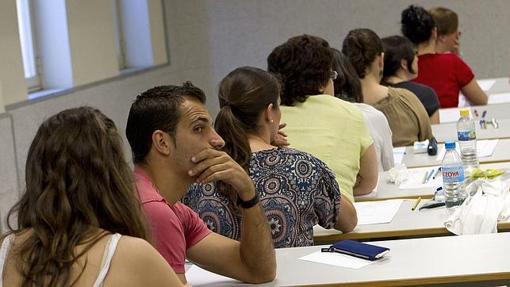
x: 244, y: 93
x: 77, y: 181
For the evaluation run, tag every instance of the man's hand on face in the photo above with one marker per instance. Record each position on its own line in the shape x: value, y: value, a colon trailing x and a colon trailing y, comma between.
x: 213, y: 165
x: 280, y: 139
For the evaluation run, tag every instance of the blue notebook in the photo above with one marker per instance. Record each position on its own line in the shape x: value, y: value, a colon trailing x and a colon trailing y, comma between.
x: 358, y: 249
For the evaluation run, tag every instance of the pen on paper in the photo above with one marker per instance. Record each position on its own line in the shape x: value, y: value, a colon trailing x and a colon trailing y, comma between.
x: 425, y: 177
x: 416, y: 203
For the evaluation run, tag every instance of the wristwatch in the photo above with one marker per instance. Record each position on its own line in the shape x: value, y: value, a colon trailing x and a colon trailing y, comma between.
x: 248, y: 203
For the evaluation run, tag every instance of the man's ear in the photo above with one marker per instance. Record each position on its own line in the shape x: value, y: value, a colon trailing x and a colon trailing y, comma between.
x: 162, y: 142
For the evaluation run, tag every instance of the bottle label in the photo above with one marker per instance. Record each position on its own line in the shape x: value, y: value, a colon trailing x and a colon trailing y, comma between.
x: 453, y: 174
x: 466, y: 135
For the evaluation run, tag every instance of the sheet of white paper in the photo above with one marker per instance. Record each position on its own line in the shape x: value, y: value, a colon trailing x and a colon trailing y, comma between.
x: 197, y: 277
x: 416, y: 176
x: 336, y: 259
x: 375, y: 212
x: 484, y: 148
x: 486, y: 84
x: 398, y: 154
x: 449, y: 115
x: 499, y: 98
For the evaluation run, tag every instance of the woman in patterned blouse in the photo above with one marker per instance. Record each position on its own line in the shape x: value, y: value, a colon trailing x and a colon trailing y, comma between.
x: 296, y: 189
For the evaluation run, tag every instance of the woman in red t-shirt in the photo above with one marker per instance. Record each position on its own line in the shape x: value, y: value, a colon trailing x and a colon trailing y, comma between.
x: 446, y: 73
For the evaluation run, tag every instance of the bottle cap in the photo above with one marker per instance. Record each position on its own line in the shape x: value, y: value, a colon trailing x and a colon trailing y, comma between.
x: 449, y: 145
x: 464, y: 112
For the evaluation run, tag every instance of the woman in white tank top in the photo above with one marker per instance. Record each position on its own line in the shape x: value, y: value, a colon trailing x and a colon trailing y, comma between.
x: 79, y: 199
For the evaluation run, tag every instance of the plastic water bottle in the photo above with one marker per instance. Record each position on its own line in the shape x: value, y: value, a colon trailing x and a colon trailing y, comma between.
x: 453, y: 176
x: 466, y: 133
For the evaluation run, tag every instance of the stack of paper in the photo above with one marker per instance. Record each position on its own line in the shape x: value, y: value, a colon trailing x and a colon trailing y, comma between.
x: 375, y: 212
x: 398, y: 154
x: 336, y: 259
x: 417, y: 176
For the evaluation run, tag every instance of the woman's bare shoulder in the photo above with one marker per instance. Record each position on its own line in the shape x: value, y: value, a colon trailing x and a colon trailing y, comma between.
x: 137, y: 262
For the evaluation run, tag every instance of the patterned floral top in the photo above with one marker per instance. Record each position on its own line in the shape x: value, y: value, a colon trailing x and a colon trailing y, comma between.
x: 296, y: 191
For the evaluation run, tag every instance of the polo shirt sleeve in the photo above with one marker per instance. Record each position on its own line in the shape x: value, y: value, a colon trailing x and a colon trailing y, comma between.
x: 167, y: 234
x: 194, y: 227
x: 463, y: 72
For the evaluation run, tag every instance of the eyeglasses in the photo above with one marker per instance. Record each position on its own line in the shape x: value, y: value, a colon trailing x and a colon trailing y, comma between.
x: 333, y: 75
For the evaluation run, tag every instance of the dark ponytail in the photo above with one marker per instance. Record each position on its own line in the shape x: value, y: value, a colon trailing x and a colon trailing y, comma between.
x: 233, y: 132
x: 243, y: 95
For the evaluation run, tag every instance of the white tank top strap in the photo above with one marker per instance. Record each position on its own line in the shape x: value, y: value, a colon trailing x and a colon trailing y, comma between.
x: 107, y: 258
x: 4, y: 250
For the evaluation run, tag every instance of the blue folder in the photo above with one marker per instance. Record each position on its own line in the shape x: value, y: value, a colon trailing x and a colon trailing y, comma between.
x: 358, y: 249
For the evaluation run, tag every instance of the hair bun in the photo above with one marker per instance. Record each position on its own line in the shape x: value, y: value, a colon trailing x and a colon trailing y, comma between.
x: 417, y: 24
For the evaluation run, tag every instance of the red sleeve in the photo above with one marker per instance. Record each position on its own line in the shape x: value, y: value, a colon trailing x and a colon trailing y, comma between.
x: 463, y: 72
x: 167, y: 233
x: 194, y: 227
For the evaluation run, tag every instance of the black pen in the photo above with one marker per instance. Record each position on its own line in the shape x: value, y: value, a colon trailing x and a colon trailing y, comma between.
x: 431, y: 204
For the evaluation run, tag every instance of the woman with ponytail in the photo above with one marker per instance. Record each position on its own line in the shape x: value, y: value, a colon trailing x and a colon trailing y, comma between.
x: 296, y: 189
x: 79, y: 219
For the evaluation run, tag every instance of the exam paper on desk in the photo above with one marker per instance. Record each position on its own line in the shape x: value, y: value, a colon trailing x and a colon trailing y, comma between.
x: 449, y: 115
x: 375, y: 212
x: 398, y: 154
x: 499, y: 98
x: 336, y: 259
x: 486, y: 84
x: 484, y: 148
x: 416, y: 176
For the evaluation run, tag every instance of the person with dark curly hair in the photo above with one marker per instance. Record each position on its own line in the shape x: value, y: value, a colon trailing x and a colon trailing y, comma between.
x: 401, y: 66
x: 297, y: 191
x: 348, y: 87
x: 446, y: 73
x: 329, y: 128
x: 406, y: 115
x: 79, y: 222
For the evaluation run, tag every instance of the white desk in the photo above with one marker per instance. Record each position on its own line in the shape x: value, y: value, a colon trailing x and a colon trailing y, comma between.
x: 448, y: 131
x: 406, y: 223
x: 501, y: 154
x: 482, y: 259
x: 498, y: 111
x: 386, y: 190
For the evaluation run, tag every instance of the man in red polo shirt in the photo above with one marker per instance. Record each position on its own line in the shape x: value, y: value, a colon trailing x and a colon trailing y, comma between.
x: 174, y: 145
